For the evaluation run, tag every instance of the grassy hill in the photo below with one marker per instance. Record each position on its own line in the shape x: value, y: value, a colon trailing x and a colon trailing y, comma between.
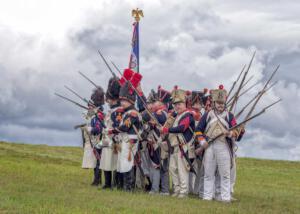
x: 44, y: 179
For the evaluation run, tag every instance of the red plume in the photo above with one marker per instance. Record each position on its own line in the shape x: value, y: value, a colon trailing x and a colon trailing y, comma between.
x: 221, y: 87
x: 127, y: 74
x: 136, y: 79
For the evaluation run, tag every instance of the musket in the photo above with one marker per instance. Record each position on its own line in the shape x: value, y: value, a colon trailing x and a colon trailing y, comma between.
x: 134, y: 156
x: 72, y: 101
x: 244, y: 92
x: 262, y: 91
x: 242, y: 82
x: 76, y: 94
x: 234, y: 83
x: 80, y: 126
x: 235, y: 95
x: 88, y: 79
x: 260, y: 95
x: 185, y: 155
x: 244, y: 122
x: 114, y: 75
x: 81, y: 106
x: 116, y: 67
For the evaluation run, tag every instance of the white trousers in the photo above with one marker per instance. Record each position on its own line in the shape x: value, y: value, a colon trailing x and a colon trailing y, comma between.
x: 217, y: 157
x: 179, y: 174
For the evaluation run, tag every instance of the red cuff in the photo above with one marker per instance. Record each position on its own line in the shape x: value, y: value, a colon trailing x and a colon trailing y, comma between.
x: 165, y: 130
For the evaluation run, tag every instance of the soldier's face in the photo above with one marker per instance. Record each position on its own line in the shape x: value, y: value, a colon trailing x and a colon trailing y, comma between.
x: 180, y: 107
x: 111, y: 102
x: 220, y: 107
x: 157, y: 105
x: 150, y: 106
x: 125, y: 103
x: 197, y: 106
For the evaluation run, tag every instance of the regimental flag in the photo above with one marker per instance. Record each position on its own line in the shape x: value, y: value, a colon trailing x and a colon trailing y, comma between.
x: 134, y: 60
x: 134, y: 56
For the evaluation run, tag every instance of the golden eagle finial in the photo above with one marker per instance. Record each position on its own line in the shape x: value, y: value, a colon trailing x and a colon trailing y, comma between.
x: 137, y: 14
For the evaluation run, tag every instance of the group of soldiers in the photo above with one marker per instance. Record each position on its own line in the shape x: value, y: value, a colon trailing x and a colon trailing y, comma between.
x: 143, y: 141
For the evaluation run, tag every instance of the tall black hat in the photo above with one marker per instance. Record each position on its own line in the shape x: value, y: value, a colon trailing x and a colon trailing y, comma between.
x: 98, y: 96
x: 113, y: 89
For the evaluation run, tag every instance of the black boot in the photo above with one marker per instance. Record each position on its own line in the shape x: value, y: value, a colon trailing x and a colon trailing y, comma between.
x: 107, y: 175
x: 129, y: 181
x: 97, y: 175
x: 114, y: 179
x: 120, y: 180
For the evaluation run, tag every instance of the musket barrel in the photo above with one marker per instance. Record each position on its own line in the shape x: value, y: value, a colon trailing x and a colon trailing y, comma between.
x: 242, y: 82
x: 65, y: 98
x: 88, y: 79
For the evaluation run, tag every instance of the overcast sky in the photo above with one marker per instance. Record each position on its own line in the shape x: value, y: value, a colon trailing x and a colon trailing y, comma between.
x: 194, y: 44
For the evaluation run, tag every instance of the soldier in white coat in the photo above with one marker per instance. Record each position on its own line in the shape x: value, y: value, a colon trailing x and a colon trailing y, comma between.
x: 92, y: 134
x: 89, y: 159
x: 112, y: 120
x: 129, y: 132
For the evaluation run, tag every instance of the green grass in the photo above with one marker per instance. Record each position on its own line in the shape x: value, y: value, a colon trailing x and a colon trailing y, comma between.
x: 44, y: 179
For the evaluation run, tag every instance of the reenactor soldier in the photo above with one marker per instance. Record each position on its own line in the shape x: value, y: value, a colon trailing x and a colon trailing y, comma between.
x: 90, y: 156
x: 128, y: 132
x: 217, y: 156
x: 181, y: 137
x: 112, y: 120
x: 195, y: 103
x: 93, y: 134
x: 157, y: 145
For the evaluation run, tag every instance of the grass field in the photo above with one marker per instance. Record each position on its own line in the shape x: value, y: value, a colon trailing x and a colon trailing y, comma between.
x: 44, y: 179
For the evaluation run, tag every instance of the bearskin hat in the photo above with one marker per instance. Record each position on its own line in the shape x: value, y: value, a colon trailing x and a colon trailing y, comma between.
x: 126, y: 93
x: 113, y: 89
x: 98, y: 96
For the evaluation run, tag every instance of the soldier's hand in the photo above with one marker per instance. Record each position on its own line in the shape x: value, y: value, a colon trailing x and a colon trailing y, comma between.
x: 89, y: 129
x: 110, y: 131
x: 164, y: 130
x: 228, y: 133
x: 199, y: 151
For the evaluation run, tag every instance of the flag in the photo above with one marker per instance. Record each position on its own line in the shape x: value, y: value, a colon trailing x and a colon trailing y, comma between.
x: 134, y: 56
